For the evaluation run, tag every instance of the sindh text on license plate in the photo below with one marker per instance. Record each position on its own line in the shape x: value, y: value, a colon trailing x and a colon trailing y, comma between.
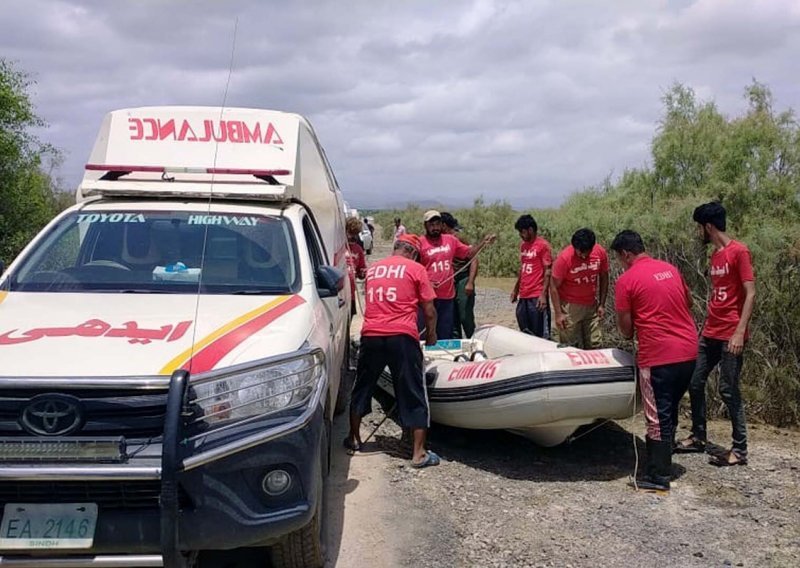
x: 36, y: 526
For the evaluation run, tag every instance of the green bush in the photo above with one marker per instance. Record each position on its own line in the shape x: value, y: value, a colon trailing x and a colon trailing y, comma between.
x: 752, y: 164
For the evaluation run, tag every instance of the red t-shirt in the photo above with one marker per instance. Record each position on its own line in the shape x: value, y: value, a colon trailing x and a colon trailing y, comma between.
x: 730, y: 268
x: 579, y: 277
x: 395, y: 287
x: 655, y: 294
x: 437, y: 257
x: 535, y: 258
x: 356, y: 263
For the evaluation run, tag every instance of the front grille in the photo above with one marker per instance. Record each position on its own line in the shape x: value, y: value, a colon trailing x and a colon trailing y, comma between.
x: 132, y: 414
x: 107, y: 494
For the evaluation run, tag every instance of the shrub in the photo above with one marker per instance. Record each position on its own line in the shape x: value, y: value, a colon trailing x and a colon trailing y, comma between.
x: 752, y: 164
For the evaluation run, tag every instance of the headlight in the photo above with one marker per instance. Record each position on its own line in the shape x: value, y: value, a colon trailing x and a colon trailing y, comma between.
x: 258, y: 391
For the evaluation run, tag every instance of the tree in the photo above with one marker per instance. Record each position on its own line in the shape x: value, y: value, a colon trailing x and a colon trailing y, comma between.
x: 27, y: 194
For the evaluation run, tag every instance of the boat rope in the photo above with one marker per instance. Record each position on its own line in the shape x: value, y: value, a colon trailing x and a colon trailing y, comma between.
x: 592, y: 429
x: 385, y: 416
x: 633, y: 416
x: 632, y: 419
x: 478, y: 251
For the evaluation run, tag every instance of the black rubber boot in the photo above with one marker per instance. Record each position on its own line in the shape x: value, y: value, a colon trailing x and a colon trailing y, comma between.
x: 662, y: 460
x: 658, y: 460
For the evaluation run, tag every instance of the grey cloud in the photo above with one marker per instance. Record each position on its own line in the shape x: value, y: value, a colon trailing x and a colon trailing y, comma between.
x: 511, y: 99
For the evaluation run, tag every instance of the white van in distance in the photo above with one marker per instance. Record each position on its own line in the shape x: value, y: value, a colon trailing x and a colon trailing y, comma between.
x: 174, y: 346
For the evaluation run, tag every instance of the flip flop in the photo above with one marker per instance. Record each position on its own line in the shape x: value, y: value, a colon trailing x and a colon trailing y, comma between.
x: 690, y: 445
x: 431, y: 459
x: 351, y: 446
x: 724, y: 459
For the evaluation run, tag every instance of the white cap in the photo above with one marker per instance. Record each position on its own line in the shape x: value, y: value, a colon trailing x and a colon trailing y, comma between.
x: 431, y: 215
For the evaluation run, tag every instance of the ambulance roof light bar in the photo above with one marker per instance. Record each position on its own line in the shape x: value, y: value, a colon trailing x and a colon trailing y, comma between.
x: 117, y: 171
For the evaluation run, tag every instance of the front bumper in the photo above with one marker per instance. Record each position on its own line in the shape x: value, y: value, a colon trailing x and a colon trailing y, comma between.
x: 212, y: 500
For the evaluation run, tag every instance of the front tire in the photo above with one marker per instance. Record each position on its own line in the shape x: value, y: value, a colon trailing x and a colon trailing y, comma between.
x: 302, y: 548
x: 346, y: 380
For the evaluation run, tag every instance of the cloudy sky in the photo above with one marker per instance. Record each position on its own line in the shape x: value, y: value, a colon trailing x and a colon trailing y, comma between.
x: 413, y: 100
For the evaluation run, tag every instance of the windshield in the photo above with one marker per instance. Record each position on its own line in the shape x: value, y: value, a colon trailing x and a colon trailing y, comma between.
x: 161, y: 252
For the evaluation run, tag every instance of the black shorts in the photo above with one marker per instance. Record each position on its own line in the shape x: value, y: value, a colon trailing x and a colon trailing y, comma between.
x: 403, y: 356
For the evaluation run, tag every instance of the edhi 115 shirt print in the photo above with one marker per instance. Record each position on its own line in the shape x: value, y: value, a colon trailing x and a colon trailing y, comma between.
x: 579, y: 277
x: 437, y: 256
x: 535, y: 258
x: 394, y: 289
x: 730, y: 268
x: 654, y: 292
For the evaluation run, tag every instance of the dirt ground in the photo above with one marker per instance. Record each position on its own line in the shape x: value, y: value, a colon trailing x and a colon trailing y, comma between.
x: 500, y: 500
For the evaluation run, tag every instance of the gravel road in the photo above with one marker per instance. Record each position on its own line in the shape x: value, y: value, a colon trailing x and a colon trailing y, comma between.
x: 500, y: 500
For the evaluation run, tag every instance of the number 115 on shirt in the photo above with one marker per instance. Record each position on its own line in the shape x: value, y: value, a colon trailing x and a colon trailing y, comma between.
x: 381, y: 294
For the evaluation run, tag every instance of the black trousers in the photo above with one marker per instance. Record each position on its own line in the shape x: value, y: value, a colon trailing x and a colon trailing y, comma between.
x: 714, y: 352
x: 531, y: 320
x: 445, y: 310
x: 403, y: 356
x: 662, y: 388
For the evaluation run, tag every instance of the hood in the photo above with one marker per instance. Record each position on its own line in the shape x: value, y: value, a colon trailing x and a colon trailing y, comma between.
x: 87, y: 335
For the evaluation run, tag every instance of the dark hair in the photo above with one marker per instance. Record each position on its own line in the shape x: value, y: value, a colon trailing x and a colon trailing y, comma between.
x: 397, y: 219
x: 449, y: 220
x: 526, y: 222
x: 583, y: 240
x: 629, y: 241
x: 712, y: 212
x: 404, y: 246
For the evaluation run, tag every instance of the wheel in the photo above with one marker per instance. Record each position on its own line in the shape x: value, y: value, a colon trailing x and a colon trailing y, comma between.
x: 345, y: 383
x: 300, y: 549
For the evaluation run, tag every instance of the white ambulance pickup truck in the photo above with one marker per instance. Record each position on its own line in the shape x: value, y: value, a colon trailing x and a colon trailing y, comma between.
x: 174, y: 346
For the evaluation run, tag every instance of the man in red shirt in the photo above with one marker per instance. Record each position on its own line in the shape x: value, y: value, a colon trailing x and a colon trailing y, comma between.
x: 533, y: 282
x: 652, y: 299
x: 436, y: 255
x: 356, y: 258
x: 580, y: 271
x: 464, y: 282
x: 730, y: 306
x: 396, y: 287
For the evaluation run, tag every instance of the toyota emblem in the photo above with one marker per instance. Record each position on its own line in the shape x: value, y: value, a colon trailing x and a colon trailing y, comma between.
x: 52, y: 415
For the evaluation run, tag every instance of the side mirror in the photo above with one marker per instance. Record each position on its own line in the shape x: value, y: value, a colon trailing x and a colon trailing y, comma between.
x: 330, y: 281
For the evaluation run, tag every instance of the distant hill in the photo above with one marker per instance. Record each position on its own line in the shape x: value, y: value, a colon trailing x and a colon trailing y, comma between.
x: 403, y: 205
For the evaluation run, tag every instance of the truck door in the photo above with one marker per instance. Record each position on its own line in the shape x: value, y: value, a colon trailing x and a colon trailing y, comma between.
x: 336, y: 307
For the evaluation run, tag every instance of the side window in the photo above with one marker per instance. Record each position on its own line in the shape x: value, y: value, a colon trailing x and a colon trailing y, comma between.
x: 312, y: 241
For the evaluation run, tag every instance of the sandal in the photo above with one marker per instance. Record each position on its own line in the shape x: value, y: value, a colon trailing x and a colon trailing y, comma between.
x: 352, y: 446
x: 690, y: 445
x: 431, y: 459
x: 724, y: 459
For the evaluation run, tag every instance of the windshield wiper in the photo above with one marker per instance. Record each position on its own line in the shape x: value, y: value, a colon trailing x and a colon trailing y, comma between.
x: 259, y: 291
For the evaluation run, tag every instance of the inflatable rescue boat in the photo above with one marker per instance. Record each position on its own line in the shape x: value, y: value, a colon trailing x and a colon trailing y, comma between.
x: 504, y: 379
